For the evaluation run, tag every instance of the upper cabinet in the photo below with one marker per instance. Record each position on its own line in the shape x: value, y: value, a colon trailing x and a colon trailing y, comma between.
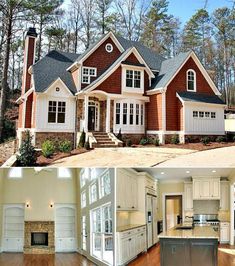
x: 127, y: 190
x: 224, y: 195
x: 188, y: 196
x: 206, y: 188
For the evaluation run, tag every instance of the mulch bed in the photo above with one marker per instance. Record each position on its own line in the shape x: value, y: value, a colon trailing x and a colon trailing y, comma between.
x: 43, y: 161
x: 191, y: 146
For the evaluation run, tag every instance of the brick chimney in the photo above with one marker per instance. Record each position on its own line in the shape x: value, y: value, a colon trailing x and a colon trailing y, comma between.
x: 29, y: 58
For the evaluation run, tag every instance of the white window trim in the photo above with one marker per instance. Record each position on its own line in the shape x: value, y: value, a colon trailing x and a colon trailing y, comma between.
x: 56, y: 115
x: 204, y: 115
x: 106, y: 47
x: 88, y: 75
x: 195, y: 80
x: 132, y: 89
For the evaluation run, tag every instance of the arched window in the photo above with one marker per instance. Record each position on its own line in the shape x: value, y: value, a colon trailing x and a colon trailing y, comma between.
x: 191, y: 80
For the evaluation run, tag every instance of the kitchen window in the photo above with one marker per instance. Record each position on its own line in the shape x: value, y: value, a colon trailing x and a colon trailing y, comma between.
x: 56, y: 112
x: 105, y: 185
x: 93, y: 173
x: 133, y: 78
x: 191, y: 80
x: 83, y: 199
x: 124, y: 117
x: 93, y: 193
x: 87, y: 73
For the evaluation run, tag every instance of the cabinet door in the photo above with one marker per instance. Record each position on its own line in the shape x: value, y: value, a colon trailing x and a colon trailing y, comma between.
x: 132, y: 247
x: 125, y: 250
x: 205, y: 188
x: 188, y: 192
x: 224, y: 196
x: 134, y: 192
x: 215, y: 188
x: 196, y: 189
x: 224, y: 234
x: 121, y: 190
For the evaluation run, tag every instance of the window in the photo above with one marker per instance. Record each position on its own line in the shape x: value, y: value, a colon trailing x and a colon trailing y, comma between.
x: 109, y: 47
x: 191, y: 80
x: 83, y: 199
x: 213, y: 115
x: 83, y: 177
x: 84, y: 233
x: 93, y: 173
x: 207, y: 114
x: 118, y: 113
x: 56, y: 112
x: 201, y: 114
x: 93, y: 193
x: 64, y: 172
x: 131, y: 113
x: 133, y: 79
x: 142, y: 114
x: 124, y: 118
x: 195, y: 113
x: 15, y: 172
x: 137, y: 114
x: 87, y: 73
x: 105, y: 185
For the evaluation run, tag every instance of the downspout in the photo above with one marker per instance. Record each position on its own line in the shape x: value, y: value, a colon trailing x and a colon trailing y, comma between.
x: 76, y: 123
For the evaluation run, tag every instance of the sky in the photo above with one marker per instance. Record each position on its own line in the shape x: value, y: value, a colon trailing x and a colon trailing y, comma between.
x: 184, y: 9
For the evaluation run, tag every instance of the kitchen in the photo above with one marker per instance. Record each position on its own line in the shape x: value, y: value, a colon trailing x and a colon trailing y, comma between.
x: 150, y: 201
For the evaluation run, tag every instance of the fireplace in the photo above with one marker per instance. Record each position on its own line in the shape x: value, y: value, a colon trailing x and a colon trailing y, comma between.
x: 39, y: 239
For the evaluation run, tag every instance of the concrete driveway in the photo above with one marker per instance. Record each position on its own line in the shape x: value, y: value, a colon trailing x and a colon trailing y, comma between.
x: 221, y: 157
x: 122, y: 157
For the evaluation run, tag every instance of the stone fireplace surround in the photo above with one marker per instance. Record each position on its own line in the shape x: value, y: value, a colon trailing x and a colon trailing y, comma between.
x: 37, y: 227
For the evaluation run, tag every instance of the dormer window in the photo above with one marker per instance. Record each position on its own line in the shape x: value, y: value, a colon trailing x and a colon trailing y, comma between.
x: 109, y: 47
x: 87, y: 73
x: 191, y: 80
x: 133, y: 78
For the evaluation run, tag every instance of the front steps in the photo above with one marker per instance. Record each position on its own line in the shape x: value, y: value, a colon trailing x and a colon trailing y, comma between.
x: 105, y: 140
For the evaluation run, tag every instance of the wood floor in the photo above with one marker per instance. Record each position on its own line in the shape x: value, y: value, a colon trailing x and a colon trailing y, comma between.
x: 59, y: 259
x: 226, y: 257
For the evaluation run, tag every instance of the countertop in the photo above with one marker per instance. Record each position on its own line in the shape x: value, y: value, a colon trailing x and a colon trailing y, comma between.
x: 128, y: 227
x: 206, y: 232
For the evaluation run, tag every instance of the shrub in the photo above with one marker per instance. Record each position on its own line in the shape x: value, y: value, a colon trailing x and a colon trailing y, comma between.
x: 48, y: 148
x: 87, y: 145
x: 220, y: 139
x: 156, y: 141
x: 144, y: 141
x: 27, y: 156
x: 65, y: 146
x: 119, y: 135
x: 9, y: 130
x: 205, y: 140
x: 175, y: 139
x: 128, y: 142
x: 82, y: 139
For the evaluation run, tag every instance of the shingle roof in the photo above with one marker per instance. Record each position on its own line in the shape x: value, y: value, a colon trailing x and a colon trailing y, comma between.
x: 168, y: 69
x: 153, y: 59
x: 200, y: 98
x: 51, y: 67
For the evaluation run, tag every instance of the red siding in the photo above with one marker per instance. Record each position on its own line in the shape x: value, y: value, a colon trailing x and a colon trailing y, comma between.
x: 178, y: 84
x: 28, y: 113
x: 154, y: 112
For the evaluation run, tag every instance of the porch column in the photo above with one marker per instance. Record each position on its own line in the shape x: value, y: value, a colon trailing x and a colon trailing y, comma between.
x: 86, y: 100
x: 108, y: 115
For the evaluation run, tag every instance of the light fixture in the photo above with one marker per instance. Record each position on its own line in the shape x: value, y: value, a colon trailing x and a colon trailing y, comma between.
x: 27, y: 205
x: 162, y: 173
x: 187, y: 172
x: 213, y: 171
x: 51, y: 204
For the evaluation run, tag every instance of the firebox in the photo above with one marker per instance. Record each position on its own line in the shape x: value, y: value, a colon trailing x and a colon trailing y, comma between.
x: 39, y: 239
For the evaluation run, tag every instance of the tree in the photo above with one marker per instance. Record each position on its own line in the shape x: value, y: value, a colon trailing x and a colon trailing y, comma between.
x: 42, y: 12
x: 102, y: 14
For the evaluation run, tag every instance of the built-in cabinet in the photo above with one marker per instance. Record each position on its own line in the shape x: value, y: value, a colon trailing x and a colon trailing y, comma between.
x: 188, y: 196
x: 206, y: 188
x: 13, y: 228
x: 127, y: 190
x: 65, y: 228
x: 224, y: 195
x: 224, y: 232
x: 130, y: 243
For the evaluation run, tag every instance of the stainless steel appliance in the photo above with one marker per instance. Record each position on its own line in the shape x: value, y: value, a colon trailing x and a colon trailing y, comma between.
x: 206, y: 220
x: 151, y: 209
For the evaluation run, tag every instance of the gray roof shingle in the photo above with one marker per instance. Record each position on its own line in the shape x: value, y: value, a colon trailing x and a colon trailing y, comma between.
x: 200, y: 98
x: 53, y: 66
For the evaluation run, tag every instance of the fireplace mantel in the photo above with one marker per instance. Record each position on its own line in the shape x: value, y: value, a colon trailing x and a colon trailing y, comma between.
x: 39, y: 227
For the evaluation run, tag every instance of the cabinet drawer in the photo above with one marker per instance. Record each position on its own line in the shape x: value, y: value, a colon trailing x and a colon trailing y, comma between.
x: 141, y: 229
x: 149, y: 183
x: 224, y: 224
x: 127, y: 233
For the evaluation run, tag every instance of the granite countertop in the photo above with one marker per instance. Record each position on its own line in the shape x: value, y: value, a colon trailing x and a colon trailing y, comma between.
x: 128, y: 227
x: 206, y: 232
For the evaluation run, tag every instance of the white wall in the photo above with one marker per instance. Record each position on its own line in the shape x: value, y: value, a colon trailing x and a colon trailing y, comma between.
x: 204, y: 125
x: 42, y: 109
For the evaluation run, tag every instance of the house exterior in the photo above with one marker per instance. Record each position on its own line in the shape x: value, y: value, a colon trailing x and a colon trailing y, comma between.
x: 116, y: 85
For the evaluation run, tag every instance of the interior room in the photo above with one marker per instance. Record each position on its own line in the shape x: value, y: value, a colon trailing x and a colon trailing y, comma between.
x: 56, y: 216
x: 156, y: 205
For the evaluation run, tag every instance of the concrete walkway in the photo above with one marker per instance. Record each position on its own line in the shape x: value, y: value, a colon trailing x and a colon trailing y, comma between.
x: 221, y: 157
x: 122, y: 157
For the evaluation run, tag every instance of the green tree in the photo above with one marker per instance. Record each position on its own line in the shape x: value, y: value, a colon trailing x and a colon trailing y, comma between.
x: 102, y: 19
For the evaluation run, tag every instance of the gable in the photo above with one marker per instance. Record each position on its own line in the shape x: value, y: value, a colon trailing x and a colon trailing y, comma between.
x: 54, y: 92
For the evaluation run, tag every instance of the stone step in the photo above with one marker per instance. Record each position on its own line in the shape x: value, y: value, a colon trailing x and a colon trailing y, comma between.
x: 102, y: 139
x: 106, y: 142
x: 105, y: 145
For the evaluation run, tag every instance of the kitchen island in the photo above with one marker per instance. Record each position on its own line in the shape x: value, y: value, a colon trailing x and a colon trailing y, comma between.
x: 196, y: 246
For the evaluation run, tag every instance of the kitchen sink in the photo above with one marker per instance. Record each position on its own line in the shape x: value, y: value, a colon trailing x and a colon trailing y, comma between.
x: 184, y: 227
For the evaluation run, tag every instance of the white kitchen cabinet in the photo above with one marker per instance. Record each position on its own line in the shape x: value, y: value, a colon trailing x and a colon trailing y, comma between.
x: 224, y: 232
x: 127, y: 190
x: 130, y: 243
x: 224, y: 195
x: 188, y: 196
x: 206, y: 188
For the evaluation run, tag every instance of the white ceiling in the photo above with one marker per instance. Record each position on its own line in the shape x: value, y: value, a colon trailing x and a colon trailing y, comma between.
x: 182, y: 173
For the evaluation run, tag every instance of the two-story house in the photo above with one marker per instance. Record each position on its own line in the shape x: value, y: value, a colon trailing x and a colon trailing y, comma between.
x: 116, y: 85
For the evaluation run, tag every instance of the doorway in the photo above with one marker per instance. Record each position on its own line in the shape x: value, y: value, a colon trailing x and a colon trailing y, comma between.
x: 91, y: 118
x: 173, y: 211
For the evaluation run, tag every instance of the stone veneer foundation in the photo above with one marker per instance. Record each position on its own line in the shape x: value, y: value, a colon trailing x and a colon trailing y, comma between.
x: 39, y: 226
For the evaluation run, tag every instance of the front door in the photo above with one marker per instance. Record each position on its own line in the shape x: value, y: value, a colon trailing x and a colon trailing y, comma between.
x: 91, y: 118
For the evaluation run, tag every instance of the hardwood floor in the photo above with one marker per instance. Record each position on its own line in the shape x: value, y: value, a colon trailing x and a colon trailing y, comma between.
x: 226, y: 257
x: 59, y: 259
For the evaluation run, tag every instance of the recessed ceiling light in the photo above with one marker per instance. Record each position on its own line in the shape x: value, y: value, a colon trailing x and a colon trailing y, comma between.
x: 187, y: 172
x: 213, y: 171
x: 162, y: 173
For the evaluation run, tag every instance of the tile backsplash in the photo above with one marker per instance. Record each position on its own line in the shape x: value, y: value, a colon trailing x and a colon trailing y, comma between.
x: 206, y: 206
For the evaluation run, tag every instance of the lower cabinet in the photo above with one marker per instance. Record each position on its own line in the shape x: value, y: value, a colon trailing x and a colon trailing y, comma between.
x: 224, y: 232
x: 65, y: 244
x: 130, y: 243
x: 13, y: 244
